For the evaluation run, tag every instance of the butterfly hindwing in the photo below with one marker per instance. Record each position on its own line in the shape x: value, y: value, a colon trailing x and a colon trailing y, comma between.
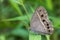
x: 40, y: 22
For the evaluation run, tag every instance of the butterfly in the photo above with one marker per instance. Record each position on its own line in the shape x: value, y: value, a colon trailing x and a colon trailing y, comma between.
x: 40, y: 22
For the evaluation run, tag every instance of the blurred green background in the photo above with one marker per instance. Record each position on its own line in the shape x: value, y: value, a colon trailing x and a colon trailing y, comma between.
x: 15, y: 18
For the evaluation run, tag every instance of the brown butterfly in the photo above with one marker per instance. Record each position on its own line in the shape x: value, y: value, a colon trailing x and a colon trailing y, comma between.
x: 40, y: 22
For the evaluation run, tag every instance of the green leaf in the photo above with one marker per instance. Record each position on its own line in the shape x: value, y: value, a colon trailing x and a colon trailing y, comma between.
x: 16, y: 7
x: 20, y: 32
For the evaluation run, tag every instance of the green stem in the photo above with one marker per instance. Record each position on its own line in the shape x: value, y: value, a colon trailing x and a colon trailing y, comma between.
x: 26, y: 11
x: 48, y: 37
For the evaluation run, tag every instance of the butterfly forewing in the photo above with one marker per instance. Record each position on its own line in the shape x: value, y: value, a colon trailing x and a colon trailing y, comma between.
x: 36, y: 25
x: 40, y: 22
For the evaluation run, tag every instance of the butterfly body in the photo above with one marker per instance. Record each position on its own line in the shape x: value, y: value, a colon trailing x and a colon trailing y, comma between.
x: 40, y: 22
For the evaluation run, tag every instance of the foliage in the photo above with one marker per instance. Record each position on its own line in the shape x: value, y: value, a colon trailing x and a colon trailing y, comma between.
x: 15, y: 18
